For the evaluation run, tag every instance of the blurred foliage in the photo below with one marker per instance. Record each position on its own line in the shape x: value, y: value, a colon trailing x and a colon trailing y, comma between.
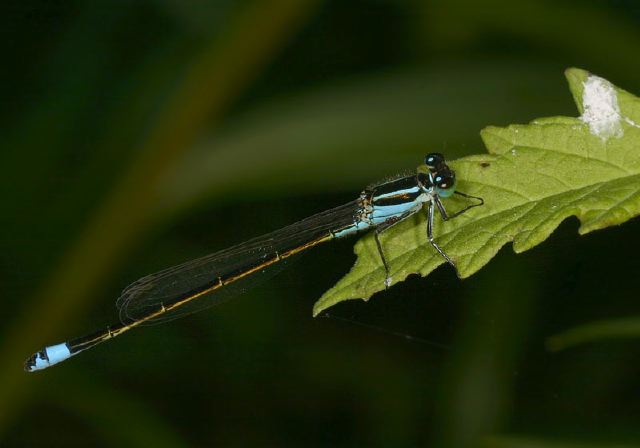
x: 593, y: 331
x: 136, y: 135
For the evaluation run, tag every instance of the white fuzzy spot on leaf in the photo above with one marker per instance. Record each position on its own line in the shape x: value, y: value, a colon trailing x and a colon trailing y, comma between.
x: 601, y: 110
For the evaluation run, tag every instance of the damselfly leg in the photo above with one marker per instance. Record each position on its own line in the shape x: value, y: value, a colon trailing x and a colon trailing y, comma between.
x: 436, y: 202
x: 460, y: 212
x: 430, y: 213
x: 376, y: 234
x: 387, y: 277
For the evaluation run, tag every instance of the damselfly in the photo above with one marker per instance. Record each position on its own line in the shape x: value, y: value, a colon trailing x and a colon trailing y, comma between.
x: 207, y: 281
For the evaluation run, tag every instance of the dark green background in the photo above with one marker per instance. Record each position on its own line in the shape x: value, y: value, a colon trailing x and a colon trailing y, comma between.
x: 139, y: 134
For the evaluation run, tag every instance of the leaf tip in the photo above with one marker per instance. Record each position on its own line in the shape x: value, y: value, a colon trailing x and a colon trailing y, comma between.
x: 576, y: 77
x: 493, y: 139
x: 317, y: 308
x: 327, y: 301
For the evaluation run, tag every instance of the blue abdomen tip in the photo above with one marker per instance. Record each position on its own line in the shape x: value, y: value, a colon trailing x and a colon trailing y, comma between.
x: 47, y: 357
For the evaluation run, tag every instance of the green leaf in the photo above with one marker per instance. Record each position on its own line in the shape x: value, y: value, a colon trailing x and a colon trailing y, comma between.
x: 534, y: 177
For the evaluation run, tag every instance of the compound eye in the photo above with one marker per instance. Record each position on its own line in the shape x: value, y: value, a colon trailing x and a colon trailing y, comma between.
x: 445, y: 182
x: 434, y: 160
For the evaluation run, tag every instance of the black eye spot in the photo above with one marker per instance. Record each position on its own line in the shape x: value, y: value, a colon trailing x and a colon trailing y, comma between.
x: 445, y: 179
x: 484, y: 164
x: 434, y: 160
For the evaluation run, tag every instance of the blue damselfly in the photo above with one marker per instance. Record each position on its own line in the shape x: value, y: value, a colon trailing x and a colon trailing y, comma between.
x: 207, y: 281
